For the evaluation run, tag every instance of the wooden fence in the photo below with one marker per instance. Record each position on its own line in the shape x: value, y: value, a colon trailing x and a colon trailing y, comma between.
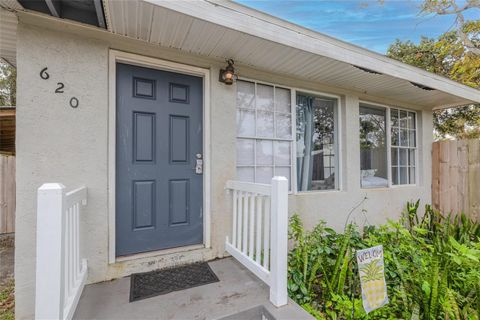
x: 7, y: 193
x: 456, y: 176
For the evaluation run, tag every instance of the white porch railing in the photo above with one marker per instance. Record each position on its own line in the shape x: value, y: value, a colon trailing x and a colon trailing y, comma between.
x: 60, y: 273
x: 260, y: 232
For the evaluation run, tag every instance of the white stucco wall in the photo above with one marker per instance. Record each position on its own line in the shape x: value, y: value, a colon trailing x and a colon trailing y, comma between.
x: 56, y: 143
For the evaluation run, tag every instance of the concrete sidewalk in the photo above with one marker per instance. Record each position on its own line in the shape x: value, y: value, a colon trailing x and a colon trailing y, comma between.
x: 238, y: 290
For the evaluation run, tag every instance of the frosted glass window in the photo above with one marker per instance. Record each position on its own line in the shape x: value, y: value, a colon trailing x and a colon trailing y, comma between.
x: 245, y: 152
x: 283, y: 101
x: 246, y: 95
x: 246, y: 174
x: 245, y: 123
x: 284, y: 126
x: 265, y: 97
x: 283, y: 171
x: 265, y: 124
x: 282, y: 153
x: 264, y: 132
x: 264, y: 153
x: 264, y: 175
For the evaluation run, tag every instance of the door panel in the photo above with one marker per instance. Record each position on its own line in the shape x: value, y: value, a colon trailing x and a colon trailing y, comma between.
x: 159, y: 197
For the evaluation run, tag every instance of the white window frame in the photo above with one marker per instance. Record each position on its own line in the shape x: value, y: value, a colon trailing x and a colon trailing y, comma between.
x: 389, y: 145
x: 337, y: 140
x: 293, y: 148
x: 255, y: 138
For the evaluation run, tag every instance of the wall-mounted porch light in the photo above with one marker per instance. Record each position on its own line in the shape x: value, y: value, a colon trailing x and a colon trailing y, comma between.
x: 228, y: 75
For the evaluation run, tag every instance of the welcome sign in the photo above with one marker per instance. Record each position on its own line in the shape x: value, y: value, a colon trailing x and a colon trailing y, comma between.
x: 372, y: 278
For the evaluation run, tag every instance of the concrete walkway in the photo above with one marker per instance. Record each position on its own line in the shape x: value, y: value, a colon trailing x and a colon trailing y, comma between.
x: 238, y: 290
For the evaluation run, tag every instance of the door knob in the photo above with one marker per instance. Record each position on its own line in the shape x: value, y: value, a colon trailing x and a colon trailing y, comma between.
x: 199, y: 164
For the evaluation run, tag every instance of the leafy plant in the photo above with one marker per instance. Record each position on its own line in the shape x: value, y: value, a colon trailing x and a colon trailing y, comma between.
x: 431, y: 266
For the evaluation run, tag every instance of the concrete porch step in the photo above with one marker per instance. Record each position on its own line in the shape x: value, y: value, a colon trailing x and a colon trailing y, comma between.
x: 238, y: 290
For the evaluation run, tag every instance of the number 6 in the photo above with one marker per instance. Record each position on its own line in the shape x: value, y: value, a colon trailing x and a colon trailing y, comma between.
x: 44, y: 74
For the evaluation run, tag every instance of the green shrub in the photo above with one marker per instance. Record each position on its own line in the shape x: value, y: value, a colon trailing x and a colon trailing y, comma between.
x: 432, y: 267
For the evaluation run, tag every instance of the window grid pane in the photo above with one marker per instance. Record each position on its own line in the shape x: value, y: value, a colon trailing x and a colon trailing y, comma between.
x: 264, y: 132
x: 403, y: 146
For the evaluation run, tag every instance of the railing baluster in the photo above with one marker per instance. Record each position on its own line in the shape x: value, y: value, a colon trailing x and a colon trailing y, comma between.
x: 266, y: 234
x: 245, y: 224
x: 60, y: 278
x: 258, y: 233
x: 240, y: 220
x: 234, y: 220
x: 77, y: 241
x: 251, y: 228
x: 71, y: 249
x: 67, y: 256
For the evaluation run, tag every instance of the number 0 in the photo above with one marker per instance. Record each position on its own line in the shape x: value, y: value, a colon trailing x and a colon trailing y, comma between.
x: 74, y: 102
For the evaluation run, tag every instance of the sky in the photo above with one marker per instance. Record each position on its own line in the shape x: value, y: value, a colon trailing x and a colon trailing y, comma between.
x: 366, y: 23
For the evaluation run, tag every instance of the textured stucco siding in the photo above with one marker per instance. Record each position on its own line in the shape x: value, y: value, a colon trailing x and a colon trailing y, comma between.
x: 56, y: 143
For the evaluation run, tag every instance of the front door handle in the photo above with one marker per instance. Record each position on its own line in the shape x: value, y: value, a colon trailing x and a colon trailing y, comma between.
x: 199, y: 164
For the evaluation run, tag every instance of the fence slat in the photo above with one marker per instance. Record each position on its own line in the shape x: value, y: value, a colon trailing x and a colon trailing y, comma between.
x: 7, y: 194
x: 435, y: 175
x: 474, y: 178
x: 453, y: 176
x: 456, y: 177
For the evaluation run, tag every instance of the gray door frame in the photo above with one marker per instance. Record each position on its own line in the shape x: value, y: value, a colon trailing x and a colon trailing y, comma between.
x: 154, y: 63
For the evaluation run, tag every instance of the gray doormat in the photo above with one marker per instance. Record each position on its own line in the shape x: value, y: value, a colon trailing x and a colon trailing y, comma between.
x: 155, y: 283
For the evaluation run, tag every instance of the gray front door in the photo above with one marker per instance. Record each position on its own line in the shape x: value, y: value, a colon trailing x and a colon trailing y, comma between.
x: 159, y: 194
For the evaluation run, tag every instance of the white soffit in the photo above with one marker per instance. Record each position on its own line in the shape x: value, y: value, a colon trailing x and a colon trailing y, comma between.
x: 227, y: 30
x: 8, y: 36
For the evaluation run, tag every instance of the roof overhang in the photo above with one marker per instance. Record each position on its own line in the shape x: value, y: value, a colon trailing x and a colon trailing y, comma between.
x: 8, y: 37
x: 223, y: 29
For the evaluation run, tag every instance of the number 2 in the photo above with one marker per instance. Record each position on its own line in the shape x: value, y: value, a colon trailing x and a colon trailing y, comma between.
x: 60, y: 87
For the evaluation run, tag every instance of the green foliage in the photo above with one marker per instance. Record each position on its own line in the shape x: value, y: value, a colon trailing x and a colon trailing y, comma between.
x: 7, y: 301
x: 450, y: 57
x: 431, y: 267
x: 8, y: 76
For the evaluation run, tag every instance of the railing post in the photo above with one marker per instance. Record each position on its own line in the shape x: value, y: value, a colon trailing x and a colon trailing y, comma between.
x: 50, y: 252
x: 279, y: 241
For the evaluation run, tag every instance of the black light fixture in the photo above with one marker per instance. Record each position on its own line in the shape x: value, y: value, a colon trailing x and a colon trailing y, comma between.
x: 228, y: 75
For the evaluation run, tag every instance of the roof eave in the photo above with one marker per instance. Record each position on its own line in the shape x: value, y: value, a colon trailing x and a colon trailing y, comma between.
x: 234, y: 16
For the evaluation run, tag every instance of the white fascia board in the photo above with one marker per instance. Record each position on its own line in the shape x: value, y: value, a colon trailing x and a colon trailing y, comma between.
x: 249, y: 21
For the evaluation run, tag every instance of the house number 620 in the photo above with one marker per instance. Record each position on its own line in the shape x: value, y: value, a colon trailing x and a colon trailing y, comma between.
x: 60, y: 87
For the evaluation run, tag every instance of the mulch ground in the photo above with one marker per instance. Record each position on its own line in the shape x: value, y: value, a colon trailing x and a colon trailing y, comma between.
x: 7, y: 284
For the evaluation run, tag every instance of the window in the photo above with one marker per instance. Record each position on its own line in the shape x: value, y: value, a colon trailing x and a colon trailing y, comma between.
x: 403, y: 133
x: 373, y: 147
x: 316, y: 143
x: 264, y: 132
